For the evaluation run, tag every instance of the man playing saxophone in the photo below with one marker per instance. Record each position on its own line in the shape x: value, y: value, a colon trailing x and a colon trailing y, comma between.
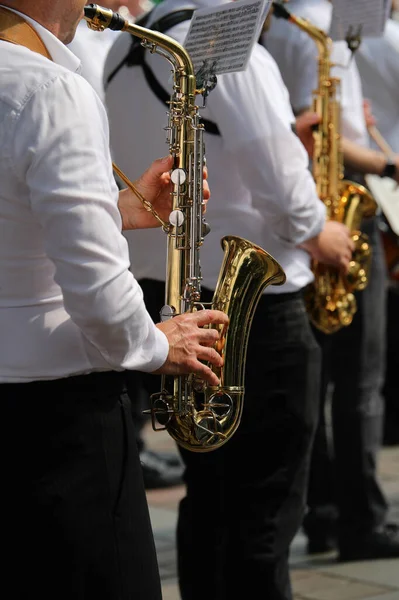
x: 72, y: 319
x: 348, y: 510
x: 244, y: 500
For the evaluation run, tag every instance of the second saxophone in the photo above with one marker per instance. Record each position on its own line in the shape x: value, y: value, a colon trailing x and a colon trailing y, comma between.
x: 330, y: 299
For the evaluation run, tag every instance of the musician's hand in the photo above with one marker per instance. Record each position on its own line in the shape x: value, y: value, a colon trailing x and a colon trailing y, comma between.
x: 155, y: 186
x: 304, y: 129
x: 190, y: 343
x: 333, y: 246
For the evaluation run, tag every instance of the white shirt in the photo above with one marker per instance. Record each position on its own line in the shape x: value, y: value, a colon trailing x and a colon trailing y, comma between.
x: 91, y: 47
x: 296, y: 55
x: 261, y: 188
x: 68, y: 303
x: 378, y: 63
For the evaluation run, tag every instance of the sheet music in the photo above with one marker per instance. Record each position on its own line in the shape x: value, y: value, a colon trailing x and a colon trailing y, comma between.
x: 365, y: 18
x: 220, y: 39
x: 386, y: 194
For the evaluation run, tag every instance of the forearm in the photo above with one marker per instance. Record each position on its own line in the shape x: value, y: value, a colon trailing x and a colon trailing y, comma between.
x: 362, y: 160
x: 124, y: 199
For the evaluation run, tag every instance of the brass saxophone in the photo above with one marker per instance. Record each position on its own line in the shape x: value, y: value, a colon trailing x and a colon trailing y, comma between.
x: 199, y: 417
x: 330, y: 299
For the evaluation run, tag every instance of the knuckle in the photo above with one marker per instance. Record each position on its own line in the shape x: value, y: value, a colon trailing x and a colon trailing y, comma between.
x: 192, y: 364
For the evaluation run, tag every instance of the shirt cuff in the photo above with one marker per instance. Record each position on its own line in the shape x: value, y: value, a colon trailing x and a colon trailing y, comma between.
x: 161, y: 351
x: 320, y: 220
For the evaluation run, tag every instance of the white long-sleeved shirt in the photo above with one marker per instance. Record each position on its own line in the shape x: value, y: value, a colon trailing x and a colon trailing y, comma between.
x: 261, y: 188
x: 378, y: 63
x: 91, y: 47
x: 296, y: 55
x: 68, y: 303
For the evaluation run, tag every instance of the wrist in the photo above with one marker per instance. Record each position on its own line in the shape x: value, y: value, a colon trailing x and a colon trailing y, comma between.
x: 123, y: 207
x: 310, y: 244
x: 390, y: 169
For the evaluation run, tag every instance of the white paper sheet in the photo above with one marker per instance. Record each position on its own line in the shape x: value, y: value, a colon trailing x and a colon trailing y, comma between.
x: 220, y: 39
x: 386, y: 194
x: 365, y: 18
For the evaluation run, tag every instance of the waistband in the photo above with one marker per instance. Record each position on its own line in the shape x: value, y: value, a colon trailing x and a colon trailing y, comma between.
x: 272, y: 299
x: 98, y: 384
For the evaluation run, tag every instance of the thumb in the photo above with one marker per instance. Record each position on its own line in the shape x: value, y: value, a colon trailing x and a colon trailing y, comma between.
x: 160, y: 166
x: 312, y: 118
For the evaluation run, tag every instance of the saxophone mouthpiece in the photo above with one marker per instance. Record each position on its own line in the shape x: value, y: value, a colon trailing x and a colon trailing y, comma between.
x: 280, y: 11
x: 103, y: 18
x: 90, y: 11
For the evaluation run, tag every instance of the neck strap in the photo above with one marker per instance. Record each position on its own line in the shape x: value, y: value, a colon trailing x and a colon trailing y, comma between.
x: 16, y: 30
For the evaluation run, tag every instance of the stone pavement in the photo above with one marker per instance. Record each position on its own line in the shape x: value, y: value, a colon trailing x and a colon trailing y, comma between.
x: 316, y: 578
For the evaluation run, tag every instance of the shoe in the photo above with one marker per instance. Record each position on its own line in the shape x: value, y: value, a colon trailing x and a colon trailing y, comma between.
x: 383, y: 543
x: 157, y: 473
x: 320, y: 527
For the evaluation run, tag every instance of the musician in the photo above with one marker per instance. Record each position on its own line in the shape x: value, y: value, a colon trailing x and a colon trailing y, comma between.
x: 244, y: 501
x: 345, y: 498
x: 72, y: 318
x: 378, y: 63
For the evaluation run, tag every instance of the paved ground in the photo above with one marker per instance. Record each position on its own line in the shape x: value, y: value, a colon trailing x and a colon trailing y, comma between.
x: 319, y: 578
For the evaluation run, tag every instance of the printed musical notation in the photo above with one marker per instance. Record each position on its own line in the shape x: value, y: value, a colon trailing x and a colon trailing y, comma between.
x: 220, y: 39
x: 358, y: 18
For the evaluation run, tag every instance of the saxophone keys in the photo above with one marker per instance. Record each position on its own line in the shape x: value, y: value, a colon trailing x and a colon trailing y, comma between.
x: 167, y: 312
x: 178, y: 176
x: 176, y: 218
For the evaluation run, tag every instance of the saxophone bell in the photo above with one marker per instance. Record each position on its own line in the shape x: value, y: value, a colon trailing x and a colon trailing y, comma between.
x: 330, y: 299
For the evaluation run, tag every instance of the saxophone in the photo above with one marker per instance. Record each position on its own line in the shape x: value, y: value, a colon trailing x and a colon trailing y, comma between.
x: 199, y: 417
x: 330, y: 299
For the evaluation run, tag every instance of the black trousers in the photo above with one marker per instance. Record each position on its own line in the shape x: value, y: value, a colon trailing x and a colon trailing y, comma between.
x: 245, y: 501
x: 391, y: 382
x: 353, y: 361
x: 75, y: 521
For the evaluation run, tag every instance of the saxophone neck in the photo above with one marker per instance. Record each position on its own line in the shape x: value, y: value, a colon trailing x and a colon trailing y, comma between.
x: 321, y: 39
x: 99, y: 18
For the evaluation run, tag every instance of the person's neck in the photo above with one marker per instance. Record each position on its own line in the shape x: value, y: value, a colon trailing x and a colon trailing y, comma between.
x: 43, y: 13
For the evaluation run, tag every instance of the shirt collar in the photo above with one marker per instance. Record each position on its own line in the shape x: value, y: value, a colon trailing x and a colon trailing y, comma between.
x: 58, y: 51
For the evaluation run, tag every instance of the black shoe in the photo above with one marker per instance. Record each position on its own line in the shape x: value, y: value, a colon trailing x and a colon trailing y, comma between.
x: 371, y: 546
x: 157, y: 473
x: 320, y: 527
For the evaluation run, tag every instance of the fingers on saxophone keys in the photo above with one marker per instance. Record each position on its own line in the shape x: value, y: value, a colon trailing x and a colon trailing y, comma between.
x: 205, y: 373
x: 344, y: 265
x: 345, y: 259
x: 210, y: 355
x: 208, y: 337
x: 207, y: 317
